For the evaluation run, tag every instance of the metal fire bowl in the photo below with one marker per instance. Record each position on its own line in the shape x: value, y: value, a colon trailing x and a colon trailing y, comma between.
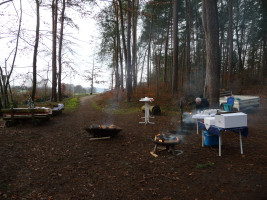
x: 103, y: 130
x: 167, y: 141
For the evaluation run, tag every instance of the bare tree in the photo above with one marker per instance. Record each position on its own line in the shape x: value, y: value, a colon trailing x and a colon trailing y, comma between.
x: 5, y: 2
x: 116, y: 51
x: 129, y: 59
x: 34, y: 64
x: 135, y: 16
x: 6, y: 78
x: 54, y: 49
x: 93, y: 75
x: 62, y: 18
x: 123, y: 38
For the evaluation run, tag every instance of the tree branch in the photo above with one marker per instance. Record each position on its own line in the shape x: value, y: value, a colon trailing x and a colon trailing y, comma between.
x: 5, y: 2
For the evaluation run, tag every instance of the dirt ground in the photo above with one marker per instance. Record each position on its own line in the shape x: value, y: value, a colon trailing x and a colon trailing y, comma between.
x: 56, y: 160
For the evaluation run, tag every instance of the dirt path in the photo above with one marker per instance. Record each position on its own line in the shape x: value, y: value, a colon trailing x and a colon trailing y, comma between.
x: 57, y: 161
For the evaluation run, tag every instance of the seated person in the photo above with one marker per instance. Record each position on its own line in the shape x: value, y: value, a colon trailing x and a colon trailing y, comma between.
x: 202, y: 104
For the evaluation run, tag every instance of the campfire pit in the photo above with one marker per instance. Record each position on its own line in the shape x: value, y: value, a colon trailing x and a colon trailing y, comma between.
x: 103, y: 130
x: 168, y: 140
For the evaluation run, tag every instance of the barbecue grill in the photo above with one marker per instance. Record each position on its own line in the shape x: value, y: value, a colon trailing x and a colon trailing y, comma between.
x: 103, y: 130
x: 168, y: 140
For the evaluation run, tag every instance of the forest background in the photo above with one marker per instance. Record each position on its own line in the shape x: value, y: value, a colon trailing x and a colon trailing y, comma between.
x: 175, y: 48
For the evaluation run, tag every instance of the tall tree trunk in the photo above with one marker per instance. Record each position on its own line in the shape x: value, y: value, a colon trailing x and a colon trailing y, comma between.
x: 112, y: 79
x: 93, y: 76
x: 135, y: 16
x: 264, y: 40
x: 116, y: 48
x: 222, y: 40
x: 198, y: 81
x: 166, y: 50
x: 211, y: 30
x: 188, y: 47
x: 264, y: 60
x: 158, y: 63
x: 129, y: 60
x: 117, y: 77
x: 11, y: 95
x: 175, y: 49
x: 123, y: 35
x: 34, y: 64
x: 149, y: 48
x: 121, y: 64
x: 225, y: 63
x: 119, y: 47
x: 60, y: 49
x: 239, y: 43
x: 1, y: 89
x: 242, y: 59
x: 166, y: 53
x: 143, y: 64
x: 203, y: 65
x: 171, y: 60
x: 54, y: 49
x: 230, y: 36
x: 182, y: 72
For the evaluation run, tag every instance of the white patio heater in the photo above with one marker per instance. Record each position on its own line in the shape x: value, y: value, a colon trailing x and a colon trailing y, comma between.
x: 147, y: 100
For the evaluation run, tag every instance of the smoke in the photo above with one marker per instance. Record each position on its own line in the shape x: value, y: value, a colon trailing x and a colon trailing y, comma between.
x: 187, y: 118
x: 110, y: 108
x: 185, y: 127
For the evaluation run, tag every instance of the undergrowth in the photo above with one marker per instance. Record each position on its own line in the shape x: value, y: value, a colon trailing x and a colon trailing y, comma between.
x: 71, y: 104
x: 109, y: 103
x: 169, y: 105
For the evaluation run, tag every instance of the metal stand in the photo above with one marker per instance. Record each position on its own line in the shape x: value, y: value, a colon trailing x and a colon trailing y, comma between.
x: 169, y: 148
x: 155, y: 148
x: 220, y: 145
x: 197, y: 126
x: 202, y: 138
x: 241, y: 146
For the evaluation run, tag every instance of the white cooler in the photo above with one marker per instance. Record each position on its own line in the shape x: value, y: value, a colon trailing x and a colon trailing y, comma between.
x: 231, y: 120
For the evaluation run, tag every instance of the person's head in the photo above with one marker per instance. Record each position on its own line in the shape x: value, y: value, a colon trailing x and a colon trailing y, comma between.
x: 198, y: 100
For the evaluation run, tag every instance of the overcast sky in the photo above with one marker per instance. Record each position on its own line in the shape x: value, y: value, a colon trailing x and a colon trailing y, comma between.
x: 85, y: 41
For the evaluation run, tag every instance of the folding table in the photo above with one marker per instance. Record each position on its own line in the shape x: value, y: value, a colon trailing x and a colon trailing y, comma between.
x: 218, y: 130
x: 201, y: 116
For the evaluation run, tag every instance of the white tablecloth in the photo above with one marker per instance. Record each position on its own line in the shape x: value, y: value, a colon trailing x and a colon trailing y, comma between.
x: 202, y: 116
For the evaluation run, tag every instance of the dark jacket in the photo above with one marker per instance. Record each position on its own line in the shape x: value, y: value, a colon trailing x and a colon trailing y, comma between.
x: 203, y: 105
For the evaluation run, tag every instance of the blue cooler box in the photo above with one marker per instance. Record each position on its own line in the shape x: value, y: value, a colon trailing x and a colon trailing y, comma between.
x: 210, y: 139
